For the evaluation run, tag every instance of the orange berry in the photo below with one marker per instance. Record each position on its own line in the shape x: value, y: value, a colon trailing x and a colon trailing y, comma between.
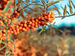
x: 32, y: 18
x: 29, y: 25
x: 8, y: 23
x: 25, y: 21
x: 36, y: 20
x: 39, y: 17
x: 52, y: 13
x: 15, y: 33
x: 8, y: 16
x: 8, y: 31
x: 5, y: 21
x: 24, y: 29
x: 51, y: 21
x: 36, y: 26
x: 3, y: 35
x: 45, y: 17
x: 49, y: 13
x: 30, y: 22
x: 25, y: 25
x: 12, y: 32
x: 13, y: 18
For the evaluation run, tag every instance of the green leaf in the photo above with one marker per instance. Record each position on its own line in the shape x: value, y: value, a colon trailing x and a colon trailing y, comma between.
x: 65, y: 10
x: 10, y: 47
x: 42, y: 30
x: 61, y: 7
x: 6, y: 7
x: 0, y: 40
x: 3, y: 21
x: 8, y: 55
x: 20, y: 14
x: 2, y: 48
x: 54, y: 23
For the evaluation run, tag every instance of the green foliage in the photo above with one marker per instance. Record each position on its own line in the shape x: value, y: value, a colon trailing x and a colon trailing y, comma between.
x: 42, y: 29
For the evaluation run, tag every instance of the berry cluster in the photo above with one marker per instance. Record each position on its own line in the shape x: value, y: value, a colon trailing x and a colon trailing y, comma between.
x: 14, y: 15
x: 3, y: 4
x: 30, y: 24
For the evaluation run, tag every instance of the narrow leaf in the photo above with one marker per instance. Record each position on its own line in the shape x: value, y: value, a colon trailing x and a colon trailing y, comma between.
x: 58, y: 11
x: 42, y: 30
x: 53, y: 31
x: 2, y: 48
x: 6, y: 7
x: 70, y: 6
x: 54, y: 3
x: 49, y: 2
x: 59, y: 30
x: 49, y: 30
x: 65, y: 10
x: 54, y: 23
x: 20, y: 14
x: 73, y: 4
x: 43, y: 2
x: 52, y: 9
x: 8, y: 55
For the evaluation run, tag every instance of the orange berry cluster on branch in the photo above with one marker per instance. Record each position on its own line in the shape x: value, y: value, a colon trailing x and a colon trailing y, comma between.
x: 30, y: 24
x: 14, y: 15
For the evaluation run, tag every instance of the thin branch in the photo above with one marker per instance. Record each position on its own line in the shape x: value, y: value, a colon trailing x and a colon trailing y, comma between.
x: 64, y: 16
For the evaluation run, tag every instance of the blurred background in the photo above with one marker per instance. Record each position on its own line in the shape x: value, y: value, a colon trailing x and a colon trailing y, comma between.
x: 57, y: 41
x: 60, y: 41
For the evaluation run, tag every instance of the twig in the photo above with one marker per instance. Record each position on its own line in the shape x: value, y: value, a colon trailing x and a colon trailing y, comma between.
x: 64, y: 16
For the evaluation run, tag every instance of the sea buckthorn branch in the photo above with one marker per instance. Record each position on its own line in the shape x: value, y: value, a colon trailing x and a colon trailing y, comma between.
x: 30, y: 24
x: 23, y: 26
